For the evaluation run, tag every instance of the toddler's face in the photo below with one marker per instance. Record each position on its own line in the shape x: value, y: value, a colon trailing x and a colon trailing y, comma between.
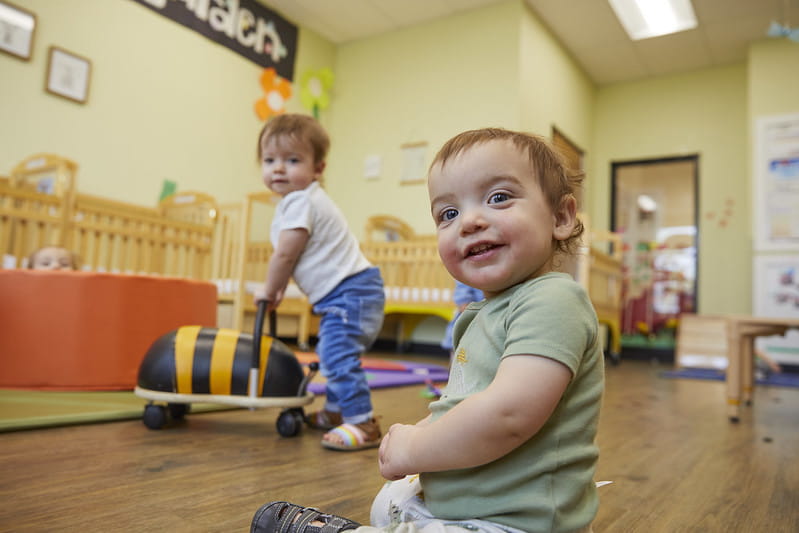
x: 288, y: 165
x: 495, y: 228
x: 52, y: 258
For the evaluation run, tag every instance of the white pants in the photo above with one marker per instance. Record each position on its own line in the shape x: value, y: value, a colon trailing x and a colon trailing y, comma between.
x: 399, y: 509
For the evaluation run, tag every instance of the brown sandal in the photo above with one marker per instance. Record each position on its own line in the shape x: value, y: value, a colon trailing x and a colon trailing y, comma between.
x: 354, y: 436
x: 323, y: 419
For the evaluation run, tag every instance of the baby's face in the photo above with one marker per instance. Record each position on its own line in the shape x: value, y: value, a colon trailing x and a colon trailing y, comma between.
x: 52, y: 258
x: 495, y: 228
x: 288, y: 165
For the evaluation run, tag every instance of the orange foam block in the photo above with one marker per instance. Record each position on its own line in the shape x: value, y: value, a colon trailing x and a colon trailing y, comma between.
x: 90, y: 331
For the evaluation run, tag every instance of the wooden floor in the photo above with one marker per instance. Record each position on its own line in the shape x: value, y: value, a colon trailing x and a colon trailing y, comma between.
x: 676, y: 463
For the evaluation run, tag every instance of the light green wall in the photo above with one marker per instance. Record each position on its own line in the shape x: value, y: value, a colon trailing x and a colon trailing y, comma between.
x: 702, y: 113
x: 773, y: 77
x: 164, y: 103
x: 420, y: 84
x: 554, y: 90
x: 773, y: 85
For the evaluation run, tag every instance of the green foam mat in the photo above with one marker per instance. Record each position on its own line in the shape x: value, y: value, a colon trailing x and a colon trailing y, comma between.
x: 27, y: 409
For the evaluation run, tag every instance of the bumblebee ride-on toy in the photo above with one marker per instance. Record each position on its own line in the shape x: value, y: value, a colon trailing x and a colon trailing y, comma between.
x: 193, y: 364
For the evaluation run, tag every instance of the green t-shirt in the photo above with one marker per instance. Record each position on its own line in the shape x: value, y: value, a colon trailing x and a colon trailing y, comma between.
x: 546, y: 484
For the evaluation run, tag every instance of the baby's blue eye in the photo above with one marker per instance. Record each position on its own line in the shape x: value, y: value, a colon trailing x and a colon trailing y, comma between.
x: 498, y: 198
x: 449, y: 214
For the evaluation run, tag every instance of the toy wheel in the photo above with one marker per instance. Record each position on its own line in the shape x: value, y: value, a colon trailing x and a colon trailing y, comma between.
x: 177, y: 410
x: 154, y: 416
x: 289, y: 423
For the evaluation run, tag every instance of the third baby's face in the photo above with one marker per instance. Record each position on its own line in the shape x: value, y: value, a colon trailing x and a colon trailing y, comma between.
x: 52, y: 258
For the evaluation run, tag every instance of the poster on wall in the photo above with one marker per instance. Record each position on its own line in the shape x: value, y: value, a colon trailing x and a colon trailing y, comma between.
x: 776, y: 286
x: 776, y: 183
x: 245, y: 26
x: 776, y: 294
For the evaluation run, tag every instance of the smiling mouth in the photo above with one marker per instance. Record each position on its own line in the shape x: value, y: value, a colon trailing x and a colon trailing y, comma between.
x: 480, y: 249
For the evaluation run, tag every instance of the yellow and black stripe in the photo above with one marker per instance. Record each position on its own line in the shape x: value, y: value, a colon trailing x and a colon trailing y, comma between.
x: 198, y: 360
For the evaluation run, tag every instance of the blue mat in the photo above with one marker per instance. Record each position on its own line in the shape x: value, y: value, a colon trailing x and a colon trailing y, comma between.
x: 783, y: 379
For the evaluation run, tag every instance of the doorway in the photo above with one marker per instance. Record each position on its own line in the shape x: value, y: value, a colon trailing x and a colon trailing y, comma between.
x: 654, y: 207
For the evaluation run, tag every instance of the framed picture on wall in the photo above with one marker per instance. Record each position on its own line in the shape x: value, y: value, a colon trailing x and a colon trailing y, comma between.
x: 68, y: 75
x: 414, y: 170
x: 17, y: 27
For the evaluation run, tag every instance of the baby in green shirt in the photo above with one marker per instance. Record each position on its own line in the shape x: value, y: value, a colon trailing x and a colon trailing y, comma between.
x: 509, y: 447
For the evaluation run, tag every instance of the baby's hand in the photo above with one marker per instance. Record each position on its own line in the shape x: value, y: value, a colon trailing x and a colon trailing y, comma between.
x: 273, y: 300
x: 393, y: 458
x: 259, y: 294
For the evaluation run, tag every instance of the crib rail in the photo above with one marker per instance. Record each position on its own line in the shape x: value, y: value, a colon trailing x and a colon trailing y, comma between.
x: 412, y: 272
x: 118, y: 237
x: 28, y: 220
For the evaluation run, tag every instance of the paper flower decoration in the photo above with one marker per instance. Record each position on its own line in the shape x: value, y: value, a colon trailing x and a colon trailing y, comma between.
x: 313, y: 94
x: 276, y: 91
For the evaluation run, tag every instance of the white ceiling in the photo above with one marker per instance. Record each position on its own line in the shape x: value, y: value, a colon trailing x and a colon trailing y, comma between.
x: 588, y: 29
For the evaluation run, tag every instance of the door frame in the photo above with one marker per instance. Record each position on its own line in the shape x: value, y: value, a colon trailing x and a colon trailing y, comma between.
x: 616, y: 165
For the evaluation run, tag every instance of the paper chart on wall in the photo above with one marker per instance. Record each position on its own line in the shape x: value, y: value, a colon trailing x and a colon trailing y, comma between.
x: 776, y: 183
x: 776, y: 294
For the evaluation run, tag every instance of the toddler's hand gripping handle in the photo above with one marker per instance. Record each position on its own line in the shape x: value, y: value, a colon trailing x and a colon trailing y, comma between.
x: 255, y: 363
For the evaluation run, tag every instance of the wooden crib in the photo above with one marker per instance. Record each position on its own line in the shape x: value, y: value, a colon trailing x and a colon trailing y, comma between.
x: 40, y: 206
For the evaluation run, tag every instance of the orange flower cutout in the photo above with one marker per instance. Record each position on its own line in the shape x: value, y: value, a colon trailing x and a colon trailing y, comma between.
x: 276, y: 91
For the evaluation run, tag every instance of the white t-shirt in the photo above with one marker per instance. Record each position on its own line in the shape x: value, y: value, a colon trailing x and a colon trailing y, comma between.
x: 332, y: 252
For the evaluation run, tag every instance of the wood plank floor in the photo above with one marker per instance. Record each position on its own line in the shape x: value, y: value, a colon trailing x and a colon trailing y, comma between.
x: 676, y: 463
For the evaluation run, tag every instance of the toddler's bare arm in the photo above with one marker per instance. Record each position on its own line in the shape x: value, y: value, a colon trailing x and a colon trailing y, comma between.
x: 289, y: 248
x: 483, y: 427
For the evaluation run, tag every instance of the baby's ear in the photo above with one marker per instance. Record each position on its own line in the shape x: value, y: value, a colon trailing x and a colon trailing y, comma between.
x: 319, y: 167
x: 565, y: 218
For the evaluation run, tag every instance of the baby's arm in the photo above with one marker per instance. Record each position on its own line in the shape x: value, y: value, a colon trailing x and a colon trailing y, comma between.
x: 483, y: 427
x: 290, y: 245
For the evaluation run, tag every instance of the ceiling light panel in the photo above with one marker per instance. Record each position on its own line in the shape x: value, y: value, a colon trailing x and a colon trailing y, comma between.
x: 643, y: 19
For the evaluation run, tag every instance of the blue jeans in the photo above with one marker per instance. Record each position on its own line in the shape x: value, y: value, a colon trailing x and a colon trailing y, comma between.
x: 352, y: 315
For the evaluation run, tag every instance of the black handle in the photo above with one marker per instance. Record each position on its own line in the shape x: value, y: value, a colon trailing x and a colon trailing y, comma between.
x: 258, y: 330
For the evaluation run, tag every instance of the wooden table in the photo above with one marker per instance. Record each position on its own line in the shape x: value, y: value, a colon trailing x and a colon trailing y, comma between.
x: 741, y: 333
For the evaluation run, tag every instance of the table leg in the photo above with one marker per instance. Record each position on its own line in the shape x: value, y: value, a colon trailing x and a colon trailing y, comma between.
x: 733, y: 379
x: 747, y: 368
